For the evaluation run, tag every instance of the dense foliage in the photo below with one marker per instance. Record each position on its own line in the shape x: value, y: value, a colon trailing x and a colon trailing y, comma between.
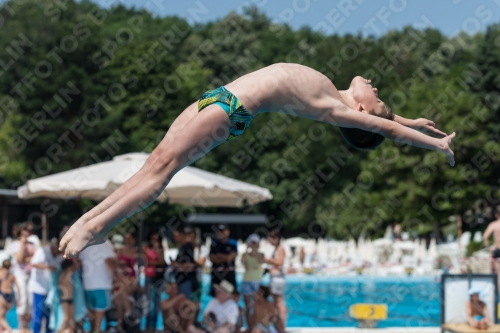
x: 80, y: 84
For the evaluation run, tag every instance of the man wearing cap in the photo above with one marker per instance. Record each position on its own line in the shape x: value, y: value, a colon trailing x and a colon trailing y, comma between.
x: 223, y: 252
x: 476, y: 310
x: 221, y: 313
x: 184, y: 265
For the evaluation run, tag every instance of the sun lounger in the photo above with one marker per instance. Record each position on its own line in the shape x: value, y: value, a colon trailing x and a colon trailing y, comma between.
x: 465, y: 328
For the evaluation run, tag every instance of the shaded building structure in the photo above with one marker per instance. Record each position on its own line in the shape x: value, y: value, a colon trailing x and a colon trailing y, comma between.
x: 42, y: 212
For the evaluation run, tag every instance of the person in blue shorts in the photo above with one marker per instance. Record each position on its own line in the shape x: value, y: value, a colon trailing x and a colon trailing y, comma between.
x: 98, y: 269
x: 252, y: 260
x: 44, y: 262
x: 477, y: 312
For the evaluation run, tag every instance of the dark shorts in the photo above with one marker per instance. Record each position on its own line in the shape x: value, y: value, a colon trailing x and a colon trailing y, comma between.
x: 186, y: 288
x: 8, y: 297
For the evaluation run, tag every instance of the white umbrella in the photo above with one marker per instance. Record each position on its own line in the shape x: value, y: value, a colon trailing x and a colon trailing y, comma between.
x: 367, y: 252
x: 382, y: 242
x: 296, y: 242
x: 334, y: 251
x: 423, y: 248
x: 352, y: 249
x: 322, y: 250
x: 190, y: 186
x: 416, y: 248
x: 432, y: 252
x: 404, y: 245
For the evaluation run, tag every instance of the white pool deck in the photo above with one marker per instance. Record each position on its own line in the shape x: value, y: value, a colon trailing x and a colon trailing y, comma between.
x: 360, y: 330
x: 355, y: 330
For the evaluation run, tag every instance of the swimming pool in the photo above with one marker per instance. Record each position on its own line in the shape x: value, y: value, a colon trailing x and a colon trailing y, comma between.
x: 320, y: 301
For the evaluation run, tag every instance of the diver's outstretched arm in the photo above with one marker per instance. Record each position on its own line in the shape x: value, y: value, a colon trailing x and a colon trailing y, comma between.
x: 343, y: 116
x: 421, y: 124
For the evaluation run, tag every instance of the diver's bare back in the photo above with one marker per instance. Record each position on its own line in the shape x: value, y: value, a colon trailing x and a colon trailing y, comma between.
x: 290, y: 88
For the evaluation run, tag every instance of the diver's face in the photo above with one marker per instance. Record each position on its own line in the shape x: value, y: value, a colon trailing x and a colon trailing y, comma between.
x: 367, y: 96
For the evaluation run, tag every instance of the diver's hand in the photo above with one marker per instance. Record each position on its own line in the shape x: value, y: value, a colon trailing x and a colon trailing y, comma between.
x: 426, y: 126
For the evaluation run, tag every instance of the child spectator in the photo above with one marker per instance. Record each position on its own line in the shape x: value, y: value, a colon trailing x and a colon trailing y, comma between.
x: 6, y: 292
x: 263, y: 314
x: 179, y: 312
x: 66, y: 288
x: 477, y: 311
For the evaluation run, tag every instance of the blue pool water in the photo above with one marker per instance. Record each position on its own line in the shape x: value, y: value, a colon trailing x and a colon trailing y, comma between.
x: 325, y: 301
x: 316, y: 301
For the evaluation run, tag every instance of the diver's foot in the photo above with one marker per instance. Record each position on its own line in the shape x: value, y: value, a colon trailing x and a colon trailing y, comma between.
x: 88, y: 235
x: 71, y: 232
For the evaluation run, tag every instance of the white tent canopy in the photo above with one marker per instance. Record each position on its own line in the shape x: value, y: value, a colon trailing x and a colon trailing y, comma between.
x: 190, y: 186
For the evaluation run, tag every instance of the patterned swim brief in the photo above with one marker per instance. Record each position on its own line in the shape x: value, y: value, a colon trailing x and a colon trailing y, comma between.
x: 238, y: 116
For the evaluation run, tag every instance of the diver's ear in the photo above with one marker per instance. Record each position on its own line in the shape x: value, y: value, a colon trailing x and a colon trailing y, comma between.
x: 359, y: 107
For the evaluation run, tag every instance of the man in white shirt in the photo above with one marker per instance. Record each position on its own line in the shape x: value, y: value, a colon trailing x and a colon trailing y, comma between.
x: 221, y: 313
x: 98, y: 269
x: 44, y: 262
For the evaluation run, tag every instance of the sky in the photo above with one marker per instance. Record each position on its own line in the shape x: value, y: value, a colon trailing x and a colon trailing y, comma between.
x: 369, y: 17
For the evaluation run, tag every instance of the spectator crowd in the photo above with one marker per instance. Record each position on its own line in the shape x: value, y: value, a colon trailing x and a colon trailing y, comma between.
x: 125, y: 288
